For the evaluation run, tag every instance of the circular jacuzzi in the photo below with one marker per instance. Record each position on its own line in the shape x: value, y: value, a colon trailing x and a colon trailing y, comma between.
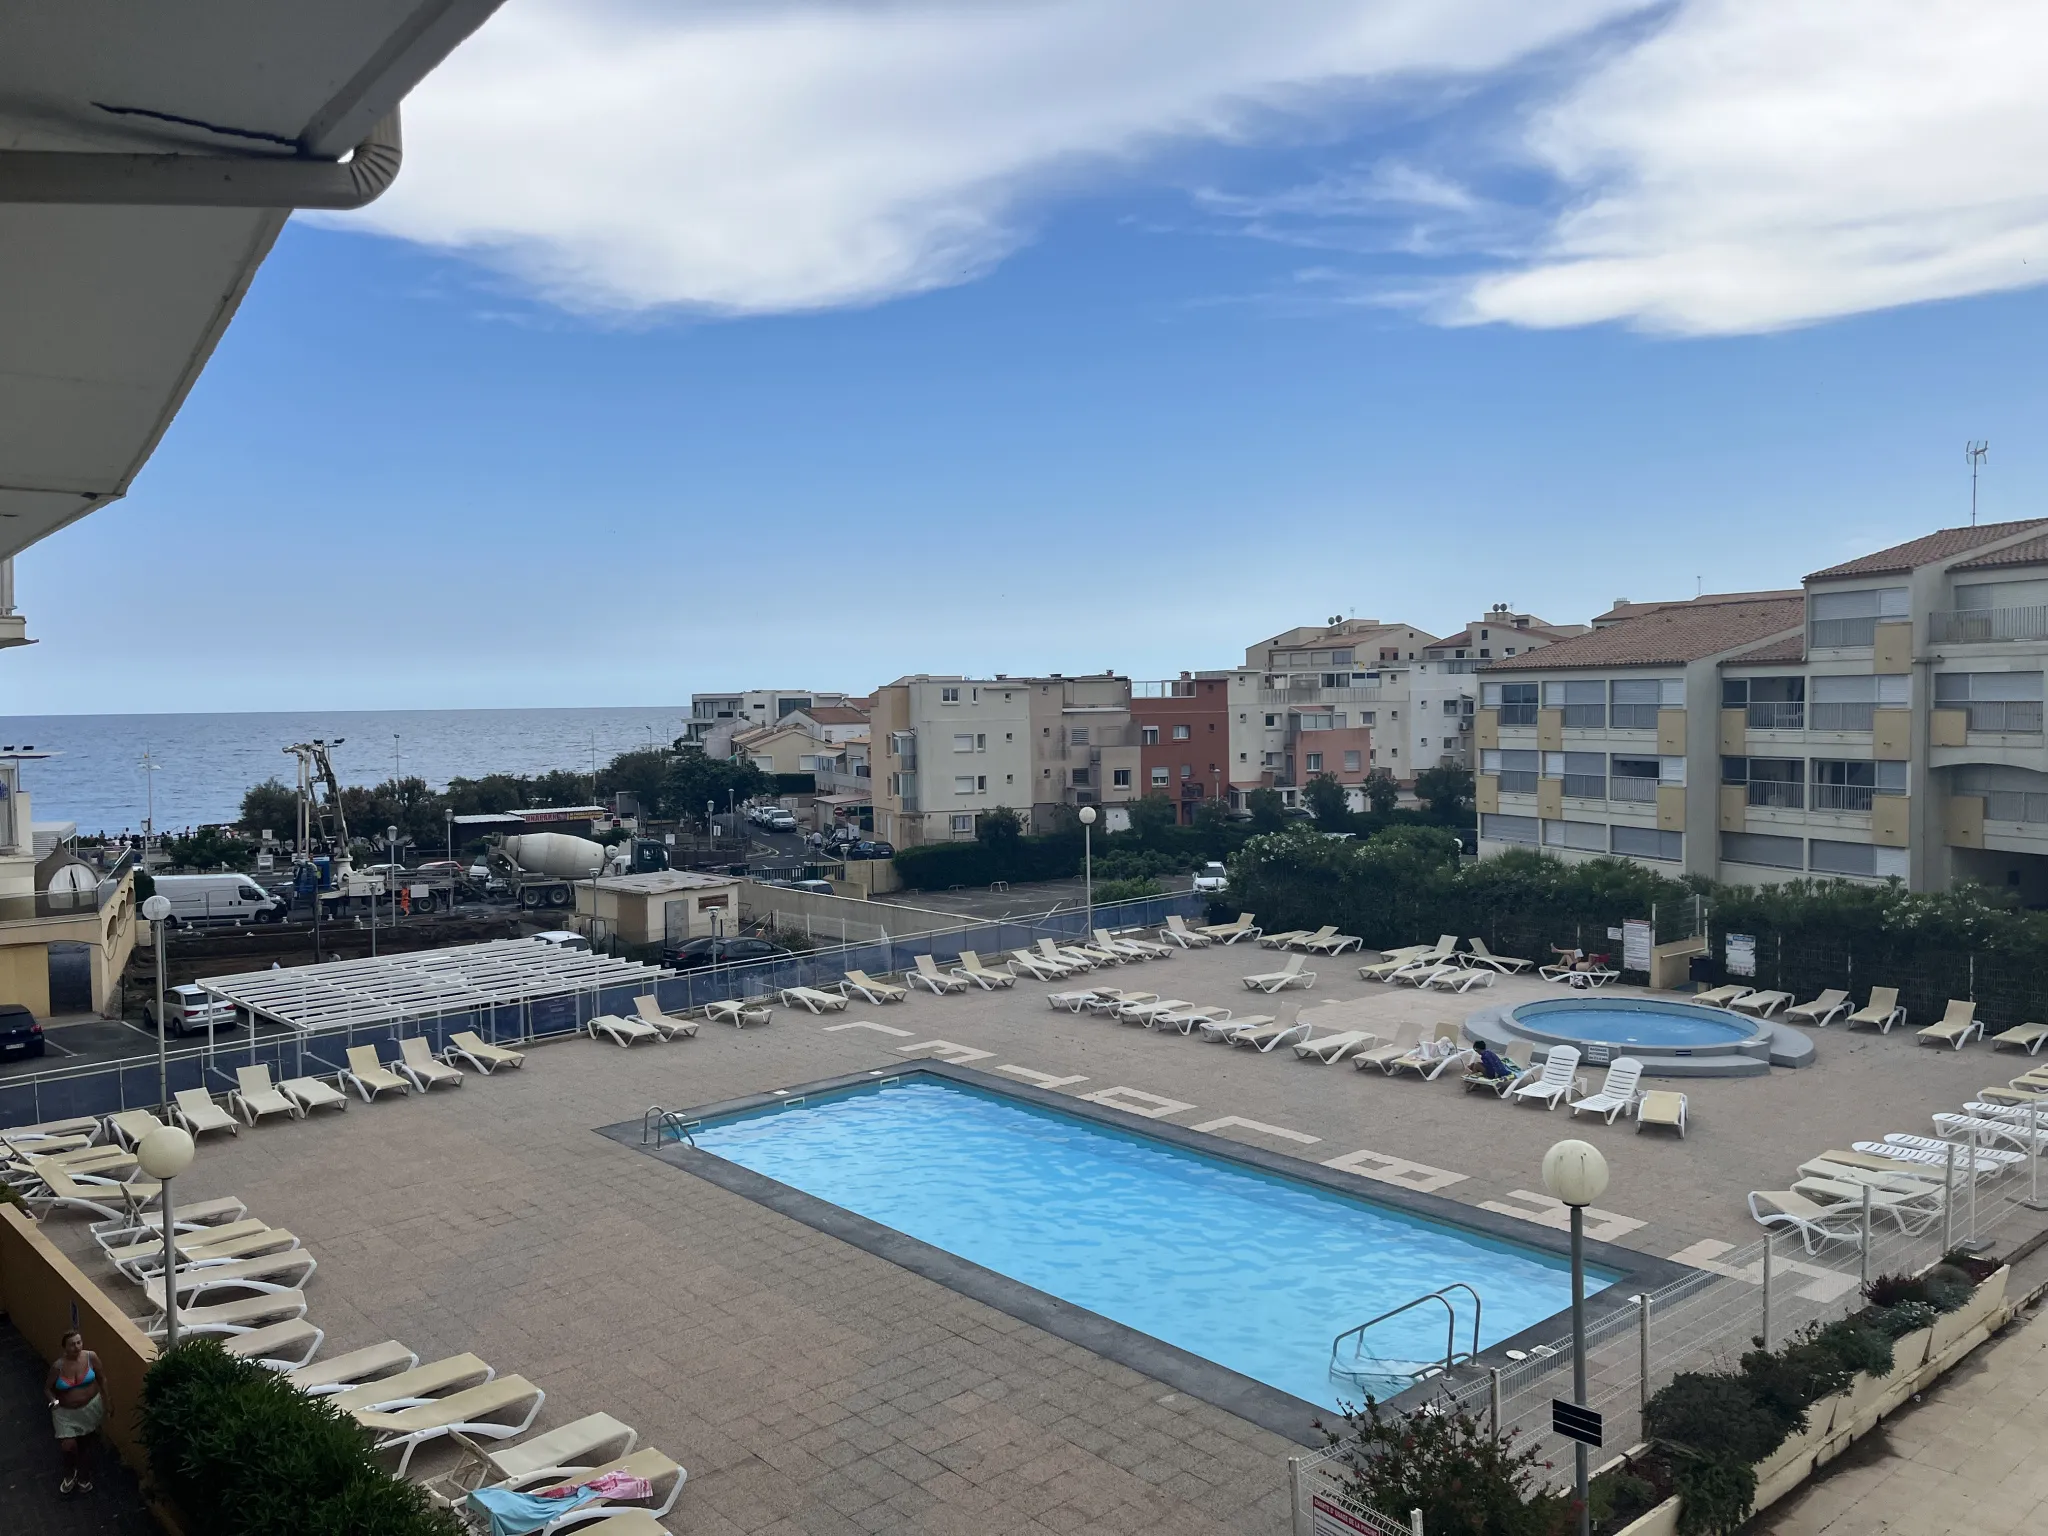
x: 1670, y: 1039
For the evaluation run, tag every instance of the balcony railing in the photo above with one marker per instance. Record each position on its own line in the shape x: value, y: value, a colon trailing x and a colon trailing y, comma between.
x: 1784, y: 795
x: 1642, y: 791
x: 1777, y: 715
x: 1518, y: 714
x: 1830, y: 634
x: 1169, y: 688
x: 1842, y: 797
x: 1586, y: 786
x: 1964, y: 626
x: 1635, y: 717
x: 1296, y: 697
x: 1843, y: 717
x: 2001, y: 716
x: 2014, y: 805
x: 1518, y: 783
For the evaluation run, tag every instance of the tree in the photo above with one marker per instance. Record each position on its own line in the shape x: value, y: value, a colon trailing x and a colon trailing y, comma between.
x: 1151, y: 814
x: 560, y: 786
x: 1450, y: 1466
x: 999, y: 831
x: 273, y: 804
x: 1381, y: 792
x: 694, y: 780
x: 210, y: 848
x: 1269, y: 814
x: 1446, y: 790
x: 1326, y: 798
x: 638, y: 773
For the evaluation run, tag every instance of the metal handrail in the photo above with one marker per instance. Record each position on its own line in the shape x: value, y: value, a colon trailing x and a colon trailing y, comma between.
x: 657, y: 1120
x: 1451, y: 1356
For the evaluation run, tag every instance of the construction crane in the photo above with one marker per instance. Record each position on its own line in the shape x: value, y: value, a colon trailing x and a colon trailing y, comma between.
x: 327, y: 826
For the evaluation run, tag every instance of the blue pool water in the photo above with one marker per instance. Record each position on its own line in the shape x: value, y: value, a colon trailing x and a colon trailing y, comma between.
x: 1254, y: 1271
x: 1678, y: 1026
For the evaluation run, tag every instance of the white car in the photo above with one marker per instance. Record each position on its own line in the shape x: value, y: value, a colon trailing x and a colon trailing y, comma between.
x: 1211, y: 878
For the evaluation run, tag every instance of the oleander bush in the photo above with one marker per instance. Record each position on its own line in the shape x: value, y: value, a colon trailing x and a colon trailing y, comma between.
x: 1447, y: 1464
x: 241, y: 1452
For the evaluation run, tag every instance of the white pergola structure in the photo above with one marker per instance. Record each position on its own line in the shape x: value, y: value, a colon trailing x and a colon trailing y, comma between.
x: 391, y: 990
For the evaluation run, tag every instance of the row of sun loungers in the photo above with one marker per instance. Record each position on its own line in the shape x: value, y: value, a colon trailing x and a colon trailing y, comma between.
x: 1957, y: 1026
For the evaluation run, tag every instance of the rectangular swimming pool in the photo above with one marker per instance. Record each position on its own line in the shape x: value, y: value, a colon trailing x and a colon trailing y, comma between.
x: 1253, y: 1270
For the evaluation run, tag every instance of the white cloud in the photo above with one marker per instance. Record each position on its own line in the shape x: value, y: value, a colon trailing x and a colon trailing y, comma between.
x: 777, y: 156
x: 1756, y: 164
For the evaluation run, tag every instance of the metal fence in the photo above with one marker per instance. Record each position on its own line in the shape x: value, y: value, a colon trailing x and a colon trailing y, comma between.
x: 106, y: 1087
x: 1738, y: 1300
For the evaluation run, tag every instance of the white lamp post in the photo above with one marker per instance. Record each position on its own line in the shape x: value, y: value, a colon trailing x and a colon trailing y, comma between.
x: 165, y: 1153
x: 155, y: 910
x: 1576, y: 1173
x: 1088, y: 860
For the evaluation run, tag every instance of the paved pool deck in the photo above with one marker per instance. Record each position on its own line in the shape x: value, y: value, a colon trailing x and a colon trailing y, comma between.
x: 810, y: 1386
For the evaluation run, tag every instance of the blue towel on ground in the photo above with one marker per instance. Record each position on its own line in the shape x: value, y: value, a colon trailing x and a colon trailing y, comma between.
x: 514, y: 1514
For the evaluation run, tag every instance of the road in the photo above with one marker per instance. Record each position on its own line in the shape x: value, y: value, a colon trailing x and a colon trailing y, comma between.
x: 1018, y: 901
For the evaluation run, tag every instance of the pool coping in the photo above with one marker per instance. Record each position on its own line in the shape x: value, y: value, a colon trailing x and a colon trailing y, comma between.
x: 1271, y: 1409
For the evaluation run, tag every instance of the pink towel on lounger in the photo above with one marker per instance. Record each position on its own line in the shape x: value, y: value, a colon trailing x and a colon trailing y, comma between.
x: 617, y: 1486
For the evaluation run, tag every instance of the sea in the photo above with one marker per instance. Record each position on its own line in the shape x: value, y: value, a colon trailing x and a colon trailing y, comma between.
x: 106, y: 767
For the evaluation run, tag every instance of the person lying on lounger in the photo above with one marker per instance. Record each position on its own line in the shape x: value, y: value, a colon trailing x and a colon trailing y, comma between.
x: 1491, y: 1067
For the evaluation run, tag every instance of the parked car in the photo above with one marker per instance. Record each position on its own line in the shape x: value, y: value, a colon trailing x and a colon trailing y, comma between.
x: 219, y: 898
x: 1211, y: 877
x: 779, y: 820
x: 20, y: 1034
x: 189, y: 1011
x: 698, y: 953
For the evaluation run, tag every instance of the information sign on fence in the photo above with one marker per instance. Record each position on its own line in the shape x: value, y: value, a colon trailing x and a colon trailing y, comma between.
x: 1329, y: 1518
x: 1575, y: 1422
x: 1739, y: 949
x: 1635, y: 945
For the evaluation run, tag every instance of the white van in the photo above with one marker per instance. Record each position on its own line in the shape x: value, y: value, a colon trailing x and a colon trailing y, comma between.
x: 219, y: 898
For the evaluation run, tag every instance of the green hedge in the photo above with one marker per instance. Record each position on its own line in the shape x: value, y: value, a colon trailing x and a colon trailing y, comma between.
x: 242, y: 1452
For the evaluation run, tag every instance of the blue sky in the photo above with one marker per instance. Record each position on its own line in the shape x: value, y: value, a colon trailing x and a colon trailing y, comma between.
x: 1067, y: 336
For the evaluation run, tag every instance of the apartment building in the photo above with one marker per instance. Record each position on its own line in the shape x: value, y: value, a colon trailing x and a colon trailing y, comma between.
x: 715, y: 718
x: 831, y: 722
x: 1883, y: 721
x: 1354, y: 678
x: 943, y: 750
x: 1184, y: 739
x: 1084, y: 747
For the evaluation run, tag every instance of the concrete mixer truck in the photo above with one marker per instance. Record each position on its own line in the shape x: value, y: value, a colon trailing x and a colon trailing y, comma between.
x: 540, y: 869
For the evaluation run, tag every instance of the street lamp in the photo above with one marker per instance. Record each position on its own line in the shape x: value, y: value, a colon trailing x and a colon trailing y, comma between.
x: 391, y: 873
x: 165, y: 1153
x: 1088, y: 859
x: 1576, y: 1173
x: 155, y: 910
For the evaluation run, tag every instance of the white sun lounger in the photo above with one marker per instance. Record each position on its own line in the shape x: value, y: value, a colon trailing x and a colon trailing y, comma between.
x: 91, y: 1127
x: 145, y: 1253
x: 1072, y: 1002
x: 288, y: 1270
x: 1178, y: 932
x: 1661, y: 1106
x: 369, y: 1076
x: 1431, y: 1058
x: 416, y: 1062
x: 1479, y: 954
x: 737, y: 1014
x: 242, y: 1315
x: 1722, y: 997
x: 1618, y: 1093
x: 467, y: 1045
x: 669, y: 1026
x: 590, y: 1441
x: 1244, y: 926
x: 498, y: 1410
x: 876, y: 992
x: 985, y: 977
x: 1822, y: 1011
x: 2022, y: 1037
x: 413, y: 1386
x: 812, y: 1000
x: 194, y: 1109
x: 1137, y: 1012
x: 131, y: 1125
x: 1985, y: 1129
x: 1331, y: 1049
x: 1289, y: 975
x: 1881, y: 1012
x: 1393, y: 960
x: 1264, y: 1035
x: 1329, y: 943
x: 1816, y: 1224
x: 1956, y: 1027
x: 1383, y: 1056
x: 1453, y: 978
x: 1558, y: 1078
x: 929, y: 975
x: 622, y: 1032
x: 310, y: 1093
x: 191, y: 1216
x: 1910, y: 1212
x: 1220, y: 1031
x: 1761, y: 1004
x: 1300, y: 938
x: 1935, y: 1147
x: 114, y: 1201
x: 1130, y: 948
x: 341, y: 1372
x: 1983, y: 1162
x: 1038, y: 968
x: 663, y: 1472
x: 1088, y: 954
x: 1188, y: 1020
x: 254, y: 1096
x: 284, y: 1346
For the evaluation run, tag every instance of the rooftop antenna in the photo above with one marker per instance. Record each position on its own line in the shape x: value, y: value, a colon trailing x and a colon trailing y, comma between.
x: 1975, y: 453
x: 1699, y: 586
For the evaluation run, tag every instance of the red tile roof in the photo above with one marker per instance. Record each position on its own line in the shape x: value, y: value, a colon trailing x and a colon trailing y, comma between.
x: 837, y: 714
x: 2032, y: 551
x: 1624, y: 609
x: 1942, y: 544
x: 1668, y: 636
x: 1789, y: 648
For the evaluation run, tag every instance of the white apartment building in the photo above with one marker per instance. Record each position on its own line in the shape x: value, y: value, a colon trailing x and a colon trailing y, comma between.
x: 1084, y: 749
x: 1355, y: 677
x: 716, y: 717
x: 945, y: 749
x: 1884, y: 721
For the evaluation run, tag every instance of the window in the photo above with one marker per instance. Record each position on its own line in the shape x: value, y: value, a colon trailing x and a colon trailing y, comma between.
x: 1271, y: 721
x: 1517, y: 770
x: 1646, y: 843
x: 1636, y: 701
x: 1341, y: 657
x: 1181, y: 733
x: 1770, y: 852
x: 1515, y: 701
x: 1318, y: 722
x: 1120, y: 778
x: 964, y: 824
x: 1831, y: 858
x: 963, y: 743
x: 1509, y: 829
x: 1772, y: 781
x: 981, y: 743
x: 1148, y: 735
x: 1634, y: 779
x: 1351, y: 762
x: 1584, y: 773
x: 980, y: 782
x: 1315, y: 762
x: 1771, y: 703
x: 1365, y: 717
x: 1849, y: 703
x: 1079, y: 777
x: 2010, y: 794
x: 1850, y: 786
x: 1159, y: 778
x: 963, y: 784
x: 1851, y: 618
x: 949, y: 695
x: 1187, y: 771
x: 1583, y: 705
x: 1589, y: 836
x: 1994, y: 701
x: 1450, y: 706
x: 1078, y: 736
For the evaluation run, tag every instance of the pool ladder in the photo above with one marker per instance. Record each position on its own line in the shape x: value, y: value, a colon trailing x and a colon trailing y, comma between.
x: 658, y: 1120
x: 1358, y: 1366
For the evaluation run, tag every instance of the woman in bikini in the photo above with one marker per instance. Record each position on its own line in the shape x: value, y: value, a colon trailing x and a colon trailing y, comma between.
x: 77, y: 1408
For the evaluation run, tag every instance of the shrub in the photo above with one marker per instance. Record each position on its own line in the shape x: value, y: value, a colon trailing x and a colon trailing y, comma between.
x: 1715, y: 1416
x: 1448, y: 1465
x: 1107, y: 891
x: 1948, y: 1287
x: 243, y: 1453
x: 1857, y: 1345
x: 1890, y: 1290
x: 1905, y: 1317
x: 1714, y: 1496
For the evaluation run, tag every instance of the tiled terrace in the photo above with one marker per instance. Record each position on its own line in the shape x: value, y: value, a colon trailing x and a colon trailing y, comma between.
x: 809, y: 1386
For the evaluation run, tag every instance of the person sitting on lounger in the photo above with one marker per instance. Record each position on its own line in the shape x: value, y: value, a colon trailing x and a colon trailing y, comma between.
x: 1491, y: 1067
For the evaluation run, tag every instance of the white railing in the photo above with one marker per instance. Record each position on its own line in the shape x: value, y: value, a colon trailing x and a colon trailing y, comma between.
x: 1842, y: 716
x: 1965, y: 626
x: 1775, y: 715
x: 1642, y: 791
